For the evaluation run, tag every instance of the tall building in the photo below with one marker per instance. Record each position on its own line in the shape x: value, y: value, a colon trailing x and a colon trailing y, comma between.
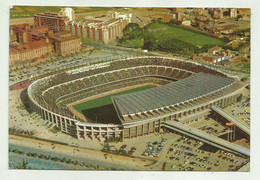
x: 53, y: 21
x: 233, y: 12
x: 99, y: 31
x: 38, y: 43
x: 24, y: 33
x: 29, y: 51
x: 217, y: 13
x: 69, y: 12
x: 65, y: 44
x: 117, y: 15
x: 19, y: 33
x: 170, y: 16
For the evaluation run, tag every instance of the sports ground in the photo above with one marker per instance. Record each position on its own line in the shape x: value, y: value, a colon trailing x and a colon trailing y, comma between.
x: 101, y: 110
x: 163, y: 32
x: 172, y: 38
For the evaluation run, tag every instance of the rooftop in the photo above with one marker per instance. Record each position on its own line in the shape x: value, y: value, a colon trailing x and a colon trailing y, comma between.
x: 28, y: 46
x: 64, y: 36
x: 169, y: 95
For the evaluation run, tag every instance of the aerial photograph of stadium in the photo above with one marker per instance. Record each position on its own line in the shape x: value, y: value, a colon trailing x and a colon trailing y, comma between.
x: 134, y: 89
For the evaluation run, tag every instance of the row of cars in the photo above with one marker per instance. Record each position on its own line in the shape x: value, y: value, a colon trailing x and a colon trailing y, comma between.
x: 191, y: 157
x: 215, y: 129
x: 19, y: 131
x: 246, y: 103
x: 244, y: 113
x: 153, y: 149
x: 43, y: 68
x: 229, y: 157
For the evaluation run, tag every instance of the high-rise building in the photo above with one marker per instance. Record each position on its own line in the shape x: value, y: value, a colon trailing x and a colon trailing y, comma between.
x: 28, y: 43
x: 53, y: 21
x: 117, y: 15
x: 19, y: 33
x: 233, y: 12
x: 105, y: 31
x: 69, y: 12
x: 65, y: 44
x: 170, y: 16
x: 29, y: 51
x: 24, y: 33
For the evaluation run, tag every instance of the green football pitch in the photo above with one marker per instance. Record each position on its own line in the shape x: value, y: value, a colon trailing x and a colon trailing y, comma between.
x: 101, y: 110
x: 106, y: 100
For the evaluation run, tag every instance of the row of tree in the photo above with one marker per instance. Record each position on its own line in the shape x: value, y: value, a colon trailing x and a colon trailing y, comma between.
x: 53, y: 158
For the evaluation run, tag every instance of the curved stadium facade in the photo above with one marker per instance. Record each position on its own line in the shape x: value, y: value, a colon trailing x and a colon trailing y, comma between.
x: 184, y: 88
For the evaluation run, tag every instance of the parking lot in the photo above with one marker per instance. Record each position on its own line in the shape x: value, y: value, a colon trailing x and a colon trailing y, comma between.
x: 149, y: 146
x: 241, y: 110
x: 50, y: 66
x: 185, y: 155
x: 170, y: 151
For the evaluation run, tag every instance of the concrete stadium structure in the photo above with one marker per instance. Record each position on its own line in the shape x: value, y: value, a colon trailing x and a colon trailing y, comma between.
x: 207, y: 138
x: 185, y: 88
x: 221, y: 114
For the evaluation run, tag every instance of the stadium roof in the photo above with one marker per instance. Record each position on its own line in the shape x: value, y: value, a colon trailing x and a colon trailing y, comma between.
x: 171, y: 94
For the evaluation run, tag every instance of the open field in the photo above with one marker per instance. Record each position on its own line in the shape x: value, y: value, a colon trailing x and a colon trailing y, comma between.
x: 29, y: 11
x: 243, y: 66
x: 171, y: 38
x: 163, y: 32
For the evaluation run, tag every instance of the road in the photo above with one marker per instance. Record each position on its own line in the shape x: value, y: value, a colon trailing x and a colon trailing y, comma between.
x: 80, y: 152
x: 102, y: 52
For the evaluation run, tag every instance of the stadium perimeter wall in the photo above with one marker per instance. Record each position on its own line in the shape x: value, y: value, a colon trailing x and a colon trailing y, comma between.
x: 85, y: 130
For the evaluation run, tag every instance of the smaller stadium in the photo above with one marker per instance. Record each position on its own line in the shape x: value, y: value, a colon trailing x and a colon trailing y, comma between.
x: 129, y: 97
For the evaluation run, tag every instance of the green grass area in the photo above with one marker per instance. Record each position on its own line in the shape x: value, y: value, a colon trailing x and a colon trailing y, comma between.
x: 245, y: 66
x: 133, y: 43
x: 166, y: 35
x: 22, y: 107
x: 29, y: 11
x: 106, y: 100
x: 162, y: 32
x: 55, y: 130
x: 88, y: 41
x: 172, y: 38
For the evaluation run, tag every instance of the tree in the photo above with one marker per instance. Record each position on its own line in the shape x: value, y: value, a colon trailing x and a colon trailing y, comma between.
x: 63, y: 159
x: 173, y: 21
x: 118, y: 139
x: 34, y: 155
x: 131, y: 31
x: 56, y: 158
x: 150, y: 42
x: 68, y: 161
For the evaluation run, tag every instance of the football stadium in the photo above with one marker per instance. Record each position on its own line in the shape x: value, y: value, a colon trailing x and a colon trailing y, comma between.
x: 130, y: 97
